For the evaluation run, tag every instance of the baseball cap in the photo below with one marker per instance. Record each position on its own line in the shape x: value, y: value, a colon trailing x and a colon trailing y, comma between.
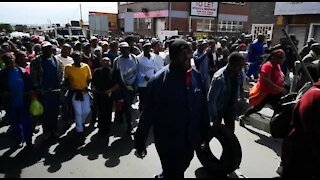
x: 124, y: 45
x: 46, y: 44
x: 202, y: 42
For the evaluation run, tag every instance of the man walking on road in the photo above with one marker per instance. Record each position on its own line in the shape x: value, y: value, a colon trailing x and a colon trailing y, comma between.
x: 47, y: 75
x: 177, y: 109
x: 223, y: 91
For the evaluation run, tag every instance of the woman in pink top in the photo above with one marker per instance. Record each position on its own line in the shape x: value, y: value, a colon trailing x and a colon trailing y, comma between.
x: 271, y: 82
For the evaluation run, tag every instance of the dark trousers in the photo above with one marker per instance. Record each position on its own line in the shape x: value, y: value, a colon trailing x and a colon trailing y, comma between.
x: 104, y: 108
x: 229, y: 118
x: 67, y: 111
x: 21, y: 123
x: 128, y: 97
x: 174, y: 165
x: 253, y: 70
x: 142, y: 97
x: 272, y: 99
x: 94, y: 108
x: 50, y: 102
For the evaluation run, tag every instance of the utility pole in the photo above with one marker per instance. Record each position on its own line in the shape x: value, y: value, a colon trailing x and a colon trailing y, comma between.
x: 81, y: 21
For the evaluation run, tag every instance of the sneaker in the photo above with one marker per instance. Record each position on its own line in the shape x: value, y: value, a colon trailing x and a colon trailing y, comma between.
x: 18, y: 145
x: 280, y: 169
x: 242, y: 120
x: 29, y: 146
x: 130, y: 131
x: 159, y: 176
x: 36, y: 130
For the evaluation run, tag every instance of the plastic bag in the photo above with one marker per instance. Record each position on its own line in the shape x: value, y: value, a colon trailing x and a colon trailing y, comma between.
x: 36, y: 108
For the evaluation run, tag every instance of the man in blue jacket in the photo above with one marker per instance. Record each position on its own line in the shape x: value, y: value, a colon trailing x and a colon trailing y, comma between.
x: 223, y: 90
x: 177, y: 109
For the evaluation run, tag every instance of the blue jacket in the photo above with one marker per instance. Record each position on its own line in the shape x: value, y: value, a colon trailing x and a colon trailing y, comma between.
x: 4, y: 87
x: 219, y: 93
x: 179, y: 115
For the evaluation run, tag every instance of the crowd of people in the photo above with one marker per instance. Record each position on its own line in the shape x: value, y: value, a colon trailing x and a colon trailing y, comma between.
x: 182, y: 85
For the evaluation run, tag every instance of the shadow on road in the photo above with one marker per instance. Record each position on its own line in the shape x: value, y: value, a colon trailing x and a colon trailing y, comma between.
x: 54, y: 153
x: 269, y: 142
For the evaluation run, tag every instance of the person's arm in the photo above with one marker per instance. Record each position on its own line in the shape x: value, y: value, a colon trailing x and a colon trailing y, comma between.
x: 213, y: 94
x: 89, y: 77
x: 199, y: 59
x: 249, y: 52
x: 66, y: 81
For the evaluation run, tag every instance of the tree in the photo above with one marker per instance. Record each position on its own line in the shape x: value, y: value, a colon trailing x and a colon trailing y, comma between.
x: 6, y: 27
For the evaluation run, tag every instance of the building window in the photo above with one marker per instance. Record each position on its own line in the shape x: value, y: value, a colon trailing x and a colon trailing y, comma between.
x: 206, y: 25
x: 199, y: 25
x: 235, y: 3
x: 230, y: 26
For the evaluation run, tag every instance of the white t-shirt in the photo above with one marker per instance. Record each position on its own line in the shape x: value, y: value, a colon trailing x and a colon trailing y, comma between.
x: 147, y: 67
x: 63, y: 60
x: 159, y: 60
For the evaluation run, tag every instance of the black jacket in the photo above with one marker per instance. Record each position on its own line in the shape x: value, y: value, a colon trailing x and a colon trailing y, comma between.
x: 179, y: 116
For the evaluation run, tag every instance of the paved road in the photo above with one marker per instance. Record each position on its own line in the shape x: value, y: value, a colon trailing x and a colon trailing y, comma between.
x: 114, y: 157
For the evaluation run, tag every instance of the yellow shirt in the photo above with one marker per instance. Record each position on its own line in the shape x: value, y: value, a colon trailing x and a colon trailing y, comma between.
x: 78, y: 76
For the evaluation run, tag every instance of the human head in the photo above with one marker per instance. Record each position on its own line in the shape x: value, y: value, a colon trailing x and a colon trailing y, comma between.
x: 9, y: 60
x: 37, y: 49
x: 212, y: 44
x: 147, y: 47
x: 202, y: 45
x: 223, y: 42
x: 77, y: 46
x: 105, y: 62
x: 61, y: 41
x: 94, y: 41
x: 6, y: 47
x: 46, y: 49
x: 114, y: 46
x: 180, y: 55
x: 316, y: 48
x: 76, y: 56
x: 129, y: 40
x: 124, y: 48
x: 236, y: 62
x: 225, y: 53
x: 261, y: 38
x: 98, y: 53
x: 21, y: 59
x: 156, y: 46
x: 105, y: 46
x: 277, y: 56
x: 86, y: 49
x: 65, y: 50
x: 242, y: 47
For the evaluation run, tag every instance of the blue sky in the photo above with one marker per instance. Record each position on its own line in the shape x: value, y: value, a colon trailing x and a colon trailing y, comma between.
x: 54, y: 12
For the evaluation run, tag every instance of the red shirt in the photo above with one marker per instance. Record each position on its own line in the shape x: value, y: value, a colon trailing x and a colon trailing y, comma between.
x: 277, y: 77
x: 188, y: 77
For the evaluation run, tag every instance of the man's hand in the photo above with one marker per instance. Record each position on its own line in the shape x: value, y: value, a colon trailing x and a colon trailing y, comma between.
x: 203, y: 145
x: 146, y: 78
x: 141, y: 153
x: 284, y: 90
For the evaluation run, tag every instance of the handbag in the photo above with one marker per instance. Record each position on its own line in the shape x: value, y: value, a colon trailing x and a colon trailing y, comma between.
x: 36, y: 108
x: 256, y: 95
